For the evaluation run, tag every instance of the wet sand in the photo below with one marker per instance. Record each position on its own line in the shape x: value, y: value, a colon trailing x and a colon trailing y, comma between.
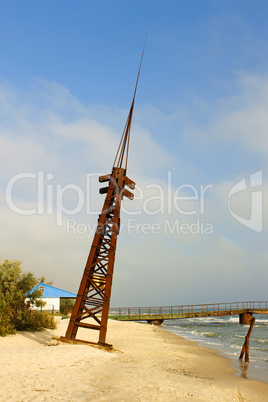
x: 149, y: 365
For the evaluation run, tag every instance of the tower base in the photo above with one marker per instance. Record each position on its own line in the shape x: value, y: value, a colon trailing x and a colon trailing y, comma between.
x: 99, y: 345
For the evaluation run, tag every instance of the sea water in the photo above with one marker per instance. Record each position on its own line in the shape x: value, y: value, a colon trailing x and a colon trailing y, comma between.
x: 226, y: 335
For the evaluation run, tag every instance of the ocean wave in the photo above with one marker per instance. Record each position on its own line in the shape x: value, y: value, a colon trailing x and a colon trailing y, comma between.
x: 215, y: 343
x: 233, y: 319
x: 233, y: 346
x: 171, y: 326
x: 260, y: 340
x: 195, y: 332
x: 202, y: 320
x: 231, y: 354
x: 209, y: 334
x: 260, y: 349
x: 262, y: 320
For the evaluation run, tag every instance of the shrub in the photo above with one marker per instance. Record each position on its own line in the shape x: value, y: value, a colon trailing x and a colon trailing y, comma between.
x: 15, y: 311
x: 66, y: 306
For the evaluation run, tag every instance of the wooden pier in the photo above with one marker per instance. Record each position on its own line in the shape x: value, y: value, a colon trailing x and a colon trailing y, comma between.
x: 157, y: 315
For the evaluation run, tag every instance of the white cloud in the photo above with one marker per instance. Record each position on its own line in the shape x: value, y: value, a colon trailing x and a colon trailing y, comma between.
x: 240, y: 119
x: 49, y: 130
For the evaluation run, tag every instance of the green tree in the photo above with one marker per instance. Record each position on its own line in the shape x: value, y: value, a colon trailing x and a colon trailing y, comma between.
x: 66, y: 305
x: 16, y: 298
x: 43, y: 280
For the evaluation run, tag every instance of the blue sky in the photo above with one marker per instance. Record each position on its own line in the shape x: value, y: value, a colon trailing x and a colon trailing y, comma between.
x: 67, y: 76
x: 92, y: 47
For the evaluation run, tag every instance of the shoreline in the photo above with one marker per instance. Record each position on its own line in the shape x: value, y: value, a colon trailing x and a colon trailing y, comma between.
x: 241, y: 369
x: 227, y: 367
x: 150, y: 364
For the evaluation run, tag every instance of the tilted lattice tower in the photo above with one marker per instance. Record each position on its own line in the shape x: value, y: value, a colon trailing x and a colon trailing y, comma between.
x: 93, y: 297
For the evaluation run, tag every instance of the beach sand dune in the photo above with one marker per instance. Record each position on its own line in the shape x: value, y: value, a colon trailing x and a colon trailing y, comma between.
x: 149, y: 365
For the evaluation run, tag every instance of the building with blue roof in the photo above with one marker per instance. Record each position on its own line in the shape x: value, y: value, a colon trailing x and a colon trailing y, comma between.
x: 51, y: 296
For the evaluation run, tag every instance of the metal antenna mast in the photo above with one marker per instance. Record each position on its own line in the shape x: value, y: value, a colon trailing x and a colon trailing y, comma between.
x: 93, y: 297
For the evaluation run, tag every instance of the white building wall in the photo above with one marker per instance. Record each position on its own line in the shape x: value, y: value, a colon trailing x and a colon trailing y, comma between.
x: 50, y: 302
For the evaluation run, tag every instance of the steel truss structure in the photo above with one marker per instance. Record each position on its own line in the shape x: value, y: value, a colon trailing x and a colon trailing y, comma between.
x: 93, y: 297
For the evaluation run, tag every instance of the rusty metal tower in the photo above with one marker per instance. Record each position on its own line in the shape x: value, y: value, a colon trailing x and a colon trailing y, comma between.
x: 93, y: 297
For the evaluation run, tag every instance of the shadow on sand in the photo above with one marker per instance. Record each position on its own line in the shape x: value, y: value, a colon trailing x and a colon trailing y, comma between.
x: 42, y: 337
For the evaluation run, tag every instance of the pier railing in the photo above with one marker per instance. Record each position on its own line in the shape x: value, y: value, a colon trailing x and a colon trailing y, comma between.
x: 184, y: 311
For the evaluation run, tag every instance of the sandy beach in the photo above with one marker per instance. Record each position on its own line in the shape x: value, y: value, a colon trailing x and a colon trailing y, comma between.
x: 149, y: 365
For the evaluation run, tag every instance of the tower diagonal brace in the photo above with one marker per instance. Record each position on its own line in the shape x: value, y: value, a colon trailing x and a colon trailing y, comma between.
x: 93, y: 298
